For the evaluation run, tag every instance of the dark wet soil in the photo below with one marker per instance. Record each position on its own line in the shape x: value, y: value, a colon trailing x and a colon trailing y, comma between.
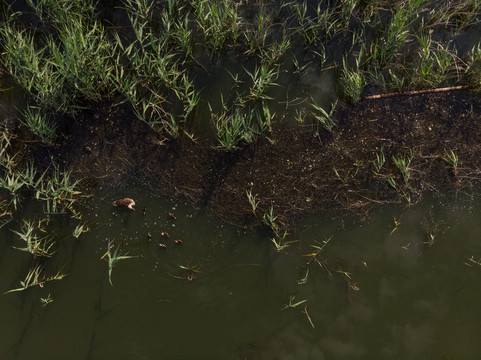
x: 295, y: 170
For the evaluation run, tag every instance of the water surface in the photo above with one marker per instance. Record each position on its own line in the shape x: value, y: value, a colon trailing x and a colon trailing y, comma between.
x: 379, y: 293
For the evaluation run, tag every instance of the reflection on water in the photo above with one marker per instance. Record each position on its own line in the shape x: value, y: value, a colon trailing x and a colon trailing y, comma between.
x: 398, y: 287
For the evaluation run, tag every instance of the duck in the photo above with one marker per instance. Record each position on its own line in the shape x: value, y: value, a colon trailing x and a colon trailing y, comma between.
x: 178, y: 242
x: 165, y: 234
x: 172, y: 216
x: 149, y: 237
x: 144, y: 210
x: 125, y: 202
x: 162, y: 246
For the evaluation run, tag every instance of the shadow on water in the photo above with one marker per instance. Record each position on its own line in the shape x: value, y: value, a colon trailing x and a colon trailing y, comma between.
x: 398, y: 287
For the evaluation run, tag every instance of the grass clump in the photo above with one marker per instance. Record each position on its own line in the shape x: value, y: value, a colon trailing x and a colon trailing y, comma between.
x: 65, y: 65
x: 39, y: 124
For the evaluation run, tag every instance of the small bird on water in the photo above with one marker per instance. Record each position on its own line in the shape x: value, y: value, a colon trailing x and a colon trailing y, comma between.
x: 125, y: 202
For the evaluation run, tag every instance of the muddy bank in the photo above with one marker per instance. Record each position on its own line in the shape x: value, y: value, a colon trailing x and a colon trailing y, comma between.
x: 296, y: 170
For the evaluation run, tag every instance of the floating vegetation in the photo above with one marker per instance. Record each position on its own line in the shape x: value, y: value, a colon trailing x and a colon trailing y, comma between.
x: 36, y: 278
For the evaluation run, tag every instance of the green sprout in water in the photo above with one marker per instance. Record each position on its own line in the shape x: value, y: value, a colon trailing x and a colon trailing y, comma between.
x: 79, y: 229
x: 318, y: 248
x: 113, y: 258
x: 47, y: 300
x: 292, y: 304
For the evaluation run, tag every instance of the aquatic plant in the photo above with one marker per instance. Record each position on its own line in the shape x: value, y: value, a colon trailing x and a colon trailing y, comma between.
x: 269, y: 218
x: 79, y: 230
x: 39, y: 124
x: 280, y: 242
x: 58, y: 192
x: 304, y: 311
x: 472, y: 59
x: 35, y: 278
x: 402, y: 162
x: 263, y: 78
x: 189, y: 272
x: 113, y: 257
x: 323, y: 118
x: 456, y: 15
x: 432, y: 65
x: 391, y: 39
x: 318, y: 28
x: 303, y: 280
x: 68, y: 65
x: 292, y: 304
x: 233, y: 127
x: 35, y: 244
x: 47, y: 300
x: 352, y: 81
x: 218, y: 21
x: 318, y: 248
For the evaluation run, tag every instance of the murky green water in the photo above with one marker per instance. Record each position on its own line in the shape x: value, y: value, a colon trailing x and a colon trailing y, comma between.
x: 380, y: 294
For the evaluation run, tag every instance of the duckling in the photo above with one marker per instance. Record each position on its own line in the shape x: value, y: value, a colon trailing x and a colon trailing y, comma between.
x: 125, y: 202
x: 144, y: 210
x: 162, y: 246
x: 149, y: 237
x: 172, y: 216
x: 165, y: 234
x: 178, y: 242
